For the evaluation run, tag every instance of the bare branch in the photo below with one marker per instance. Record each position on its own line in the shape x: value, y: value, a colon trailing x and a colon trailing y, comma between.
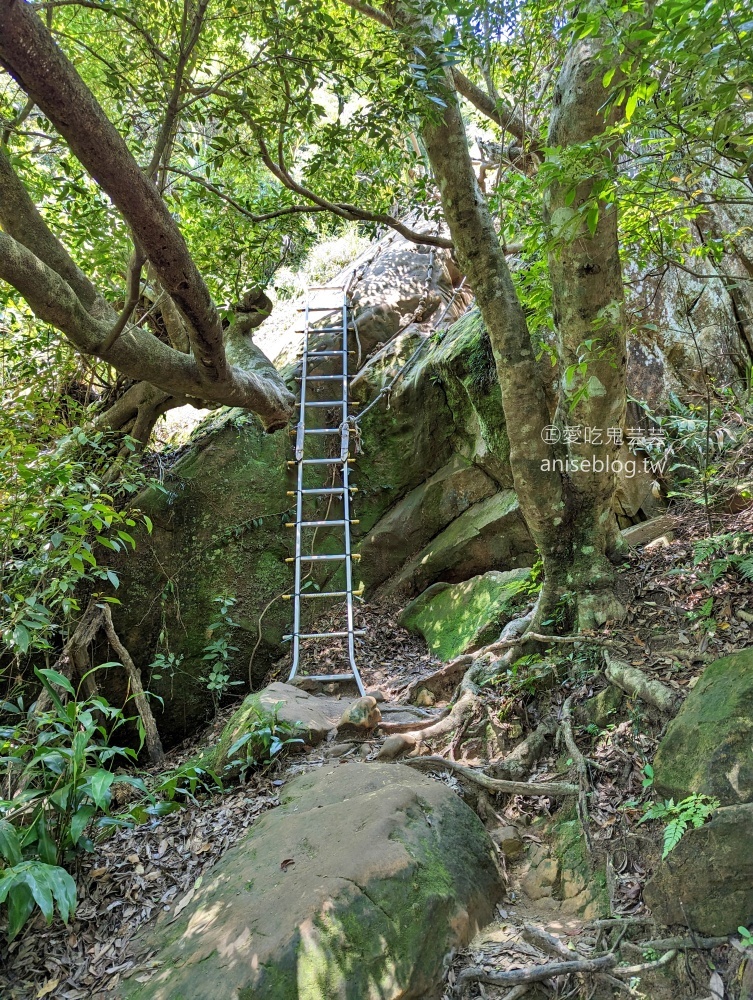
x: 372, y: 12
x: 133, y: 294
x: 535, y: 973
x: 288, y: 210
x: 173, y: 104
x: 498, y: 111
x: 345, y: 210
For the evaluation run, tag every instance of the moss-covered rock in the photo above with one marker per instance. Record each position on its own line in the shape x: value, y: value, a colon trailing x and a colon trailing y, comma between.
x: 420, y: 516
x: 708, y: 746
x: 489, y: 535
x: 462, y: 617
x: 358, y: 886
x: 706, y: 882
x: 602, y: 709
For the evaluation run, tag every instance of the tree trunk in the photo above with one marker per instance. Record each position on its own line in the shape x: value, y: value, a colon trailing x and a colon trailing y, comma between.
x: 590, y: 320
x: 570, y: 518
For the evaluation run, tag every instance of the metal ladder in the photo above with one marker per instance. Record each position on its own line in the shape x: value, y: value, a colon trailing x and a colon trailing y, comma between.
x: 344, y: 491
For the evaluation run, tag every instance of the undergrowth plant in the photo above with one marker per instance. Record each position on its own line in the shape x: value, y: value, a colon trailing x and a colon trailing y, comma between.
x: 265, y: 737
x: 58, y: 778
x: 721, y: 553
x: 217, y: 652
x: 691, y: 812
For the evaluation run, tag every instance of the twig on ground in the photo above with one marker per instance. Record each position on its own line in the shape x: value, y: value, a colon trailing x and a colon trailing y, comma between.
x: 534, y: 974
x: 638, y: 970
x: 683, y: 943
x: 553, y: 788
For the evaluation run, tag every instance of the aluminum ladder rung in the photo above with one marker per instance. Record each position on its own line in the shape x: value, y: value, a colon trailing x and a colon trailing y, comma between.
x: 325, y: 558
x: 319, y: 524
x: 326, y: 635
x: 333, y: 350
x: 321, y: 461
x: 323, y: 491
x: 328, y: 402
x: 323, y: 593
x: 327, y: 329
x: 327, y: 677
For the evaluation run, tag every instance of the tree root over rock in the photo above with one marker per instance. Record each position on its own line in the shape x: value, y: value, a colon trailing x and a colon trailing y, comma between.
x: 552, y: 788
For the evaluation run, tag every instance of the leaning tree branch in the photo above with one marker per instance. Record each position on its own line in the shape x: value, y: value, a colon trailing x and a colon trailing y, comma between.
x: 20, y: 218
x: 29, y: 53
x: 153, y: 742
x: 343, y: 209
x: 498, y: 111
x: 137, y: 353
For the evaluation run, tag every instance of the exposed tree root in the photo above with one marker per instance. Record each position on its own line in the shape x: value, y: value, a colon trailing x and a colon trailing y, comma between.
x: 397, y: 744
x: 566, y: 728
x: 521, y: 760
x: 552, y: 788
x: 413, y: 727
x: 634, y: 682
x: 533, y: 974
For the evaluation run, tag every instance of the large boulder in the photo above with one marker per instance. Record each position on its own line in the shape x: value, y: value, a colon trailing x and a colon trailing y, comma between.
x: 489, y: 534
x: 360, y: 885
x: 708, y: 746
x: 458, y: 618
x: 706, y: 882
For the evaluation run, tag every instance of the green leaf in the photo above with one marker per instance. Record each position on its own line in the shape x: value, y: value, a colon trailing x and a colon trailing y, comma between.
x: 55, y: 677
x: 80, y: 821
x: 21, y: 637
x: 99, y: 787
x: 20, y: 907
x: 10, y: 847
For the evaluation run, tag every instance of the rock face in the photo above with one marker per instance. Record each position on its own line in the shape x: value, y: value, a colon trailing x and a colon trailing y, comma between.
x: 459, y: 618
x: 435, y: 496
x: 359, y: 885
x: 708, y: 746
x: 706, y: 882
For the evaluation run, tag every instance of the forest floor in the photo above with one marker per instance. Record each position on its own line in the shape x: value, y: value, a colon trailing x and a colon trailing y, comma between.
x: 677, y: 622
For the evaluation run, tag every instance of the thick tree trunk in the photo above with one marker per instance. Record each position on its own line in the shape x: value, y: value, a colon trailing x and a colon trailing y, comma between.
x: 571, y: 520
x: 590, y: 320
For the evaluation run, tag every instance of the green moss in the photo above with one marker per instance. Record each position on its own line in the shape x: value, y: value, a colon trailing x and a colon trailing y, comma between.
x: 463, y: 616
x: 717, y: 721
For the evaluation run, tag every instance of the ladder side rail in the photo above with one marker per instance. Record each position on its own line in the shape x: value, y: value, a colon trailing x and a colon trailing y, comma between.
x: 300, y: 437
x: 346, y: 514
